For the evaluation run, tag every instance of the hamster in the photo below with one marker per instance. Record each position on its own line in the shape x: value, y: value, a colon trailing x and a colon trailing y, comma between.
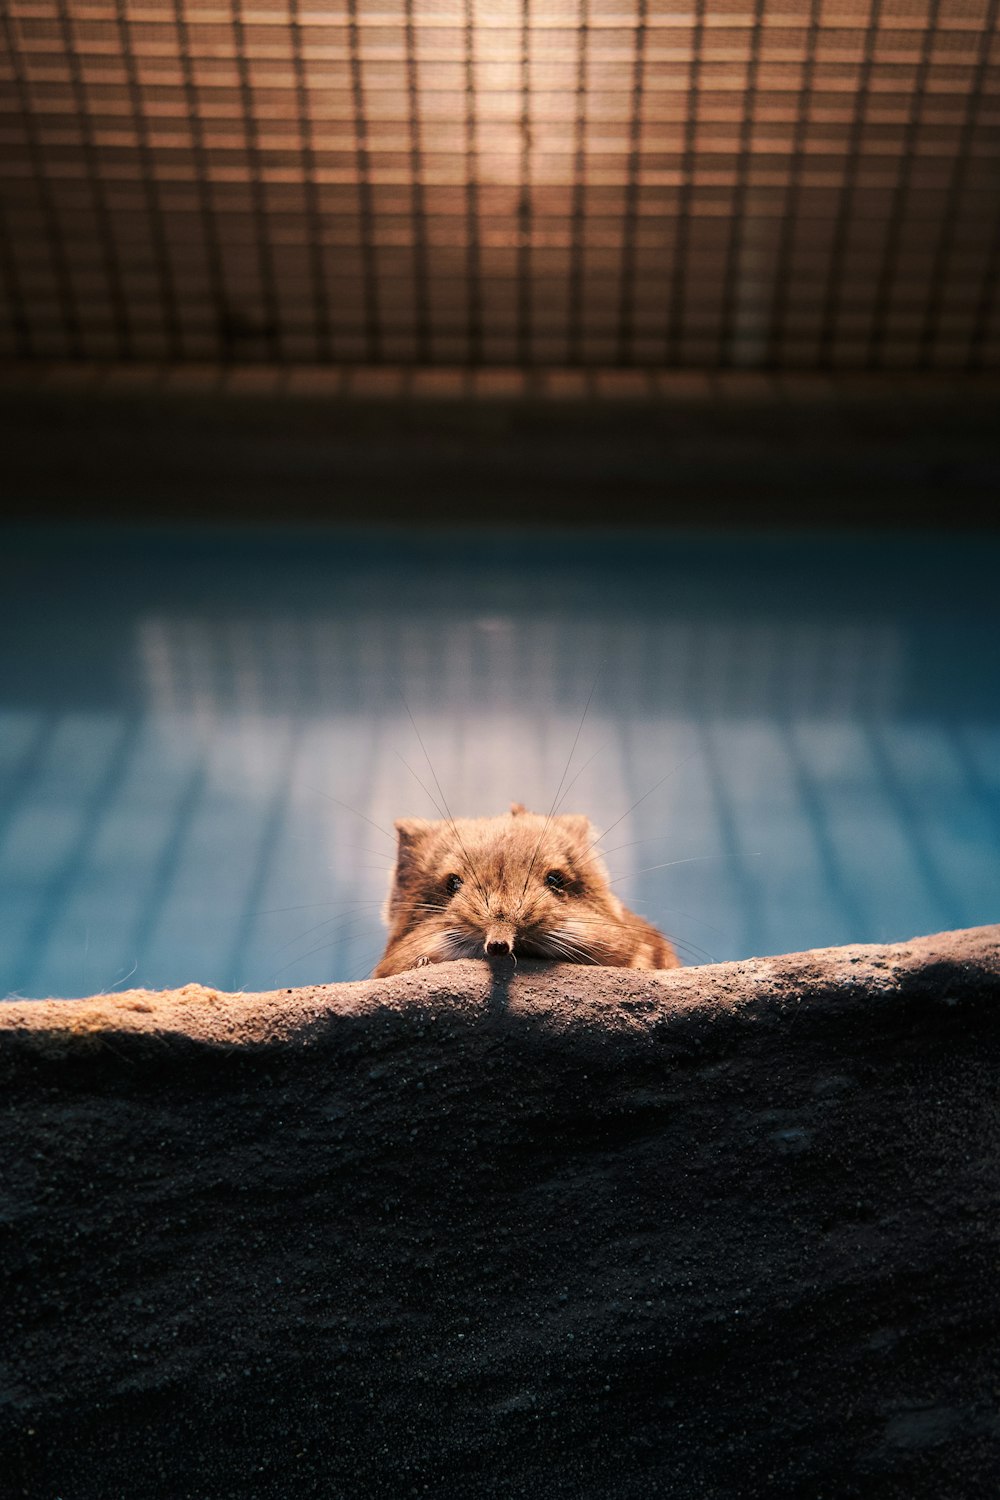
x: 520, y: 885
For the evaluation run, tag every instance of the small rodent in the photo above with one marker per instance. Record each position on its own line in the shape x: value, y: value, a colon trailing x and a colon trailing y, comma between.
x: 521, y: 885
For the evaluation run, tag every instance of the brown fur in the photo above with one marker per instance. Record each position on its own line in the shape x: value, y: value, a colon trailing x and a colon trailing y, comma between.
x: 504, y: 900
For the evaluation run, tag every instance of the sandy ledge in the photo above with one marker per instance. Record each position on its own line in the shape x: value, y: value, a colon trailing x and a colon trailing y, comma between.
x: 724, y: 1231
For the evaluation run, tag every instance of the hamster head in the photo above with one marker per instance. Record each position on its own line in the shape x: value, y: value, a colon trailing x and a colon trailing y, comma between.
x: 517, y: 885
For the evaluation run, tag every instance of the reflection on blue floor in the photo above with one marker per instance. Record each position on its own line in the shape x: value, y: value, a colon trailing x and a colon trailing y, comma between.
x: 204, y: 738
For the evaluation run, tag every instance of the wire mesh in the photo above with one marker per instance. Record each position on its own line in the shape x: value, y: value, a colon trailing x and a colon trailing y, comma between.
x: 724, y: 183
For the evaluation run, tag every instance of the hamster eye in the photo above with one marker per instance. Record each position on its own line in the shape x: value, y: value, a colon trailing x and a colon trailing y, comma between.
x: 556, y: 880
x: 453, y: 884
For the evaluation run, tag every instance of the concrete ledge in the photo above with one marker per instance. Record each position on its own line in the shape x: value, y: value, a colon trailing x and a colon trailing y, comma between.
x: 568, y: 1232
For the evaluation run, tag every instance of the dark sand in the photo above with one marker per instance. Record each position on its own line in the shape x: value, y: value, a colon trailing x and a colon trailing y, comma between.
x: 730, y: 1231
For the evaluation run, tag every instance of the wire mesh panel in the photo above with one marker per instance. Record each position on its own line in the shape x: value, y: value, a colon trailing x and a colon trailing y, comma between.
x: 754, y: 183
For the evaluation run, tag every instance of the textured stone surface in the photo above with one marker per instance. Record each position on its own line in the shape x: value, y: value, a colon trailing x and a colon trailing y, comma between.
x: 554, y: 1231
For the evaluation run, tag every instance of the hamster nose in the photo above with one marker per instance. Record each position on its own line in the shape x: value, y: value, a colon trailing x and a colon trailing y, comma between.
x: 499, y: 939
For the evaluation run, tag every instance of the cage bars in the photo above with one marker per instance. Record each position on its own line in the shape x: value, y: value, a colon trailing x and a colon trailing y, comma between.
x: 536, y: 182
x: 939, y: 279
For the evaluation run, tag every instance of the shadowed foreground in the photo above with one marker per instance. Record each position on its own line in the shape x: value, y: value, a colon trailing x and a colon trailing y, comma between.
x: 726, y: 1231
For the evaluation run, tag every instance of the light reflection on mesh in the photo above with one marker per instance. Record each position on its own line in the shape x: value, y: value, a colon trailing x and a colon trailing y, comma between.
x: 786, y: 183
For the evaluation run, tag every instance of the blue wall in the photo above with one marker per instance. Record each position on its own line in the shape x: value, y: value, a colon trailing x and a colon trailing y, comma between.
x: 810, y: 728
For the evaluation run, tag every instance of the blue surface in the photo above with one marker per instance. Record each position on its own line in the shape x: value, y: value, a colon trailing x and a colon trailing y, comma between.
x: 187, y: 718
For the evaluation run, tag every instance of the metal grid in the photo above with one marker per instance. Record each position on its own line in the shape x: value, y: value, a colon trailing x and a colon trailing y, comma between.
x: 731, y: 183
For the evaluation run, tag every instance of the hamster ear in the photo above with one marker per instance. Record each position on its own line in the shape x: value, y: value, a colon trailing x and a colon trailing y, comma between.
x: 577, y: 826
x: 517, y: 808
x: 411, y: 830
x: 412, y: 833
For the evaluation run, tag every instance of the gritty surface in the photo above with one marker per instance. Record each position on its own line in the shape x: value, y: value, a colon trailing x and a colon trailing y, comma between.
x: 727, y: 1231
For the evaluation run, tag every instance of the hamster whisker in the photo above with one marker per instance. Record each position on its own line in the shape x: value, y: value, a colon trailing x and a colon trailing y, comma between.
x: 656, y: 839
x: 576, y: 778
x: 342, y: 937
x: 343, y: 918
x: 655, y: 787
x: 446, y: 815
x: 562, y: 780
x: 330, y: 798
x: 270, y: 911
x: 549, y: 946
x: 421, y: 784
x: 461, y: 944
x: 108, y: 988
x: 675, y: 911
x: 364, y: 849
x: 444, y: 799
x: 365, y: 972
x: 604, y: 922
x: 575, y: 952
x: 692, y: 950
x: 694, y: 859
